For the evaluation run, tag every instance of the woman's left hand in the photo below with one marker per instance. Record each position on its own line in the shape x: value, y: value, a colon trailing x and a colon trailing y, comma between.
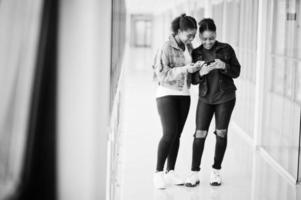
x: 218, y: 64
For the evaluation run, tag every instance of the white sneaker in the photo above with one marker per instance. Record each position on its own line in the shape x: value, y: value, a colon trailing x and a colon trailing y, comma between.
x: 159, y: 180
x: 173, y: 179
x: 193, y: 179
x: 215, y: 177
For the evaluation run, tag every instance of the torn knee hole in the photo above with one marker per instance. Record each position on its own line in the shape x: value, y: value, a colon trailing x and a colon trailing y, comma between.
x: 221, y: 133
x: 200, y: 134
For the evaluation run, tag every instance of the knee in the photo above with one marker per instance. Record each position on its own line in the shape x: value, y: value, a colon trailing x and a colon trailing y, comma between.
x: 221, y: 133
x: 200, y: 134
x: 168, y: 138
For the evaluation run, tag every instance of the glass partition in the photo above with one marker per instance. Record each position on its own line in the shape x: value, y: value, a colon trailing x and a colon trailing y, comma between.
x: 281, y: 127
x: 240, y: 30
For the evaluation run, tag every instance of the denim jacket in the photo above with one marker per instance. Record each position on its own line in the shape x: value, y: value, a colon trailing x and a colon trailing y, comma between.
x: 169, y: 65
x: 225, y: 53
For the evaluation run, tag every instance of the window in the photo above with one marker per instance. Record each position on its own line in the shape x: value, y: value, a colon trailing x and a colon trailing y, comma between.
x: 141, y: 31
x: 281, y: 128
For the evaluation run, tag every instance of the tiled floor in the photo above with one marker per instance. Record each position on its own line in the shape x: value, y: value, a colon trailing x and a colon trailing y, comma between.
x: 246, y: 175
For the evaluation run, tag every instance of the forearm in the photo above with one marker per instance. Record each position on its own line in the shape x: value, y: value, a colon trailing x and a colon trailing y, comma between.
x: 171, y: 74
x: 196, y: 78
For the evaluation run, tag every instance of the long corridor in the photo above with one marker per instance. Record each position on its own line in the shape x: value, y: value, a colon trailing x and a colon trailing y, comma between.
x: 246, y: 175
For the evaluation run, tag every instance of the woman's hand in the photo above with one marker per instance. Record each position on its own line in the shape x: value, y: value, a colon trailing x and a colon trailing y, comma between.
x: 218, y: 64
x: 206, y: 69
x: 195, y: 67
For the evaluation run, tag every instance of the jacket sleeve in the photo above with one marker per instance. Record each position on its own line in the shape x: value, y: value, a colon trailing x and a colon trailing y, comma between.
x: 195, y: 77
x: 233, y: 67
x: 162, y: 66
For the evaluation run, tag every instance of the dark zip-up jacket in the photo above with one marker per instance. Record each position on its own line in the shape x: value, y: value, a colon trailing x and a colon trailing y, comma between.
x: 225, y: 53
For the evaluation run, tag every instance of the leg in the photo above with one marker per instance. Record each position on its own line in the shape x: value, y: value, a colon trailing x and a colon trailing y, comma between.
x: 168, y: 111
x: 203, y: 118
x: 183, y: 106
x: 222, y: 117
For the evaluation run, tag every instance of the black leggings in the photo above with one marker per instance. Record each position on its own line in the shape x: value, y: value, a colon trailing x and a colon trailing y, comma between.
x: 204, y: 116
x: 173, y: 111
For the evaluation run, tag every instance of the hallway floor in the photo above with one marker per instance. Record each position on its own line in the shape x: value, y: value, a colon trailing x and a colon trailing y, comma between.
x: 246, y: 175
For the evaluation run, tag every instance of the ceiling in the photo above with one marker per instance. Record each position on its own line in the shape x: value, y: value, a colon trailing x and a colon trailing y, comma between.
x: 150, y: 6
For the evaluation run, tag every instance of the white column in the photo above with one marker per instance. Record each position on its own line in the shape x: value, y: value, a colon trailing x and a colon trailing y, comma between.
x: 260, y: 70
x: 260, y: 84
x: 83, y: 98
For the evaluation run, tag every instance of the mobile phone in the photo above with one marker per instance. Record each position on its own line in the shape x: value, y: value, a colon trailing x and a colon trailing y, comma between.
x: 209, y: 62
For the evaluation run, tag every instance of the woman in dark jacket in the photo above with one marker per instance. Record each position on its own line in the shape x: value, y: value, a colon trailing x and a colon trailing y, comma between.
x: 216, y: 96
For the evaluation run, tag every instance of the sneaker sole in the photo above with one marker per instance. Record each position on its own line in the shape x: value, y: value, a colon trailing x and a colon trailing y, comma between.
x: 160, y: 188
x: 215, y: 184
x: 192, y: 185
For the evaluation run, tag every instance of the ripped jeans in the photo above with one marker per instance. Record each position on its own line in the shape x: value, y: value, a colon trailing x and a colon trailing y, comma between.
x: 204, y: 116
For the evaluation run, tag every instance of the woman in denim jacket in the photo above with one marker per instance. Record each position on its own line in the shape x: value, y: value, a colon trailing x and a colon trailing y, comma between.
x: 216, y: 96
x: 173, y: 67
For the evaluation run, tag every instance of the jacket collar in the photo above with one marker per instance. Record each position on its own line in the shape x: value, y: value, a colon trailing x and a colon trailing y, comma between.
x: 173, y: 42
x: 219, y: 45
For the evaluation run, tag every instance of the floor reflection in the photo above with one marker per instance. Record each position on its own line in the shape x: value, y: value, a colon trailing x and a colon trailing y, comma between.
x: 246, y: 175
x: 270, y: 185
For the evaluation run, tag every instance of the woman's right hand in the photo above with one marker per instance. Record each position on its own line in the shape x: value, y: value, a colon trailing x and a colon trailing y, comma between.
x: 195, y: 67
x: 206, y: 69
